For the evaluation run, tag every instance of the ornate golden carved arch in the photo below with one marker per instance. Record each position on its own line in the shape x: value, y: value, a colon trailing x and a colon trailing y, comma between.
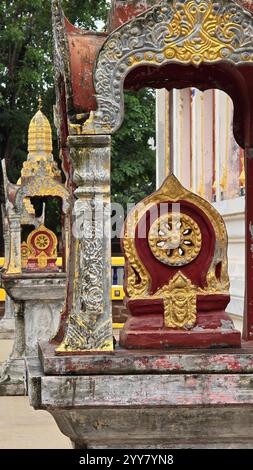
x: 175, y: 31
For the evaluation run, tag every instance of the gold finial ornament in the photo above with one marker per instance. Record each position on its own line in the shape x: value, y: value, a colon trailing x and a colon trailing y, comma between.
x: 40, y: 103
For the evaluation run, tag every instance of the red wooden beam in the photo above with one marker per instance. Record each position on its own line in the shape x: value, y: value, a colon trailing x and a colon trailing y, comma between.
x: 248, y: 313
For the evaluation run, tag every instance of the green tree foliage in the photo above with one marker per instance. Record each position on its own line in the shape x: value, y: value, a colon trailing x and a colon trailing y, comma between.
x: 133, y: 158
x: 26, y: 71
x: 26, y: 66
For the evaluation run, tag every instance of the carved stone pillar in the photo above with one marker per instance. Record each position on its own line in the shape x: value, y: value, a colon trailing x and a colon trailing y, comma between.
x: 90, y: 320
x: 6, y: 237
x: 8, y: 309
x: 12, y: 376
x: 14, y: 266
x: 19, y: 342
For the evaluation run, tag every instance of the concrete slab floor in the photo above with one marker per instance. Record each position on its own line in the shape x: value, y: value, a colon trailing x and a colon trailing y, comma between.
x: 5, y: 349
x: 21, y: 426
x: 24, y: 428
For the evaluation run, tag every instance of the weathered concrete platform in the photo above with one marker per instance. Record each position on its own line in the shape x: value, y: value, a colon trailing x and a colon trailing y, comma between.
x: 32, y: 324
x: 177, y: 399
x: 24, y: 428
x: 126, y: 361
x: 7, y: 328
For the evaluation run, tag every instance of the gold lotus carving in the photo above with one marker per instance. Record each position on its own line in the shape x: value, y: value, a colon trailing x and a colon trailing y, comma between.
x: 180, y: 303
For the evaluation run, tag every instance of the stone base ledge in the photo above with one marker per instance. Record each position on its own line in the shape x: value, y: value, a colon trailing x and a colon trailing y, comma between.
x: 35, y: 286
x: 122, y: 361
x: 172, y: 410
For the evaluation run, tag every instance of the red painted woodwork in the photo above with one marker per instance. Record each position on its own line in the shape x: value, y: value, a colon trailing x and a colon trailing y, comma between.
x: 168, y: 339
x: 236, y: 82
x: 123, y: 11
x: 246, y: 4
x: 83, y: 49
x: 248, y: 313
x: 145, y: 326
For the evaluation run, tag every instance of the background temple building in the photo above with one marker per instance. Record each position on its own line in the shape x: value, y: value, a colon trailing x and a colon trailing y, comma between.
x: 207, y: 159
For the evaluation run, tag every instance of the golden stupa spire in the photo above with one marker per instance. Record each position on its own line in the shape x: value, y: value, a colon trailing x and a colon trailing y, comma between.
x: 40, y: 147
x: 39, y: 136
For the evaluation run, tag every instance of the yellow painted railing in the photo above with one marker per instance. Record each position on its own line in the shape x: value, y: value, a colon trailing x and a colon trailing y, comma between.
x: 117, y: 289
x: 2, y: 291
x: 117, y: 279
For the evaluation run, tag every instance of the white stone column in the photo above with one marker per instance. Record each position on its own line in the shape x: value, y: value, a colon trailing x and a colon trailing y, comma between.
x: 90, y: 319
x: 8, y: 307
x: 162, y: 136
x: 14, y: 266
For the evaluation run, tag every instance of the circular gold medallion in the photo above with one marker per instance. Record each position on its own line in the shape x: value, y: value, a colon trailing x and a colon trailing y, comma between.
x: 175, y: 240
x: 42, y: 241
x: 24, y: 251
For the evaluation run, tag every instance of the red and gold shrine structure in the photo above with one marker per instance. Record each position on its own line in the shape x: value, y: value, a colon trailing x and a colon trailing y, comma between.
x: 176, y: 278
x: 40, y: 251
x: 176, y: 281
x: 159, y: 44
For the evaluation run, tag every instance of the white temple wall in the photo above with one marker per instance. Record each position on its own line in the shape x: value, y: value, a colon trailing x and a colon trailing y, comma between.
x: 195, y: 141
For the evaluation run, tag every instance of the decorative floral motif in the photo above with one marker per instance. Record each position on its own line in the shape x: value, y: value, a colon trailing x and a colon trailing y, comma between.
x: 180, y: 303
x: 175, y: 242
x: 42, y: 242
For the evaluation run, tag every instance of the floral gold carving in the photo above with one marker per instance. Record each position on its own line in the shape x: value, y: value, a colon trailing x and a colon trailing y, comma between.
x: 42, y: 241
x: 89, y: 325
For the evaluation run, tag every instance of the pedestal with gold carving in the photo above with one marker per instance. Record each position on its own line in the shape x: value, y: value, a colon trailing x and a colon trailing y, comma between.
x: 177, y: 284
x: 31, y: 276
x: 89, y: 325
